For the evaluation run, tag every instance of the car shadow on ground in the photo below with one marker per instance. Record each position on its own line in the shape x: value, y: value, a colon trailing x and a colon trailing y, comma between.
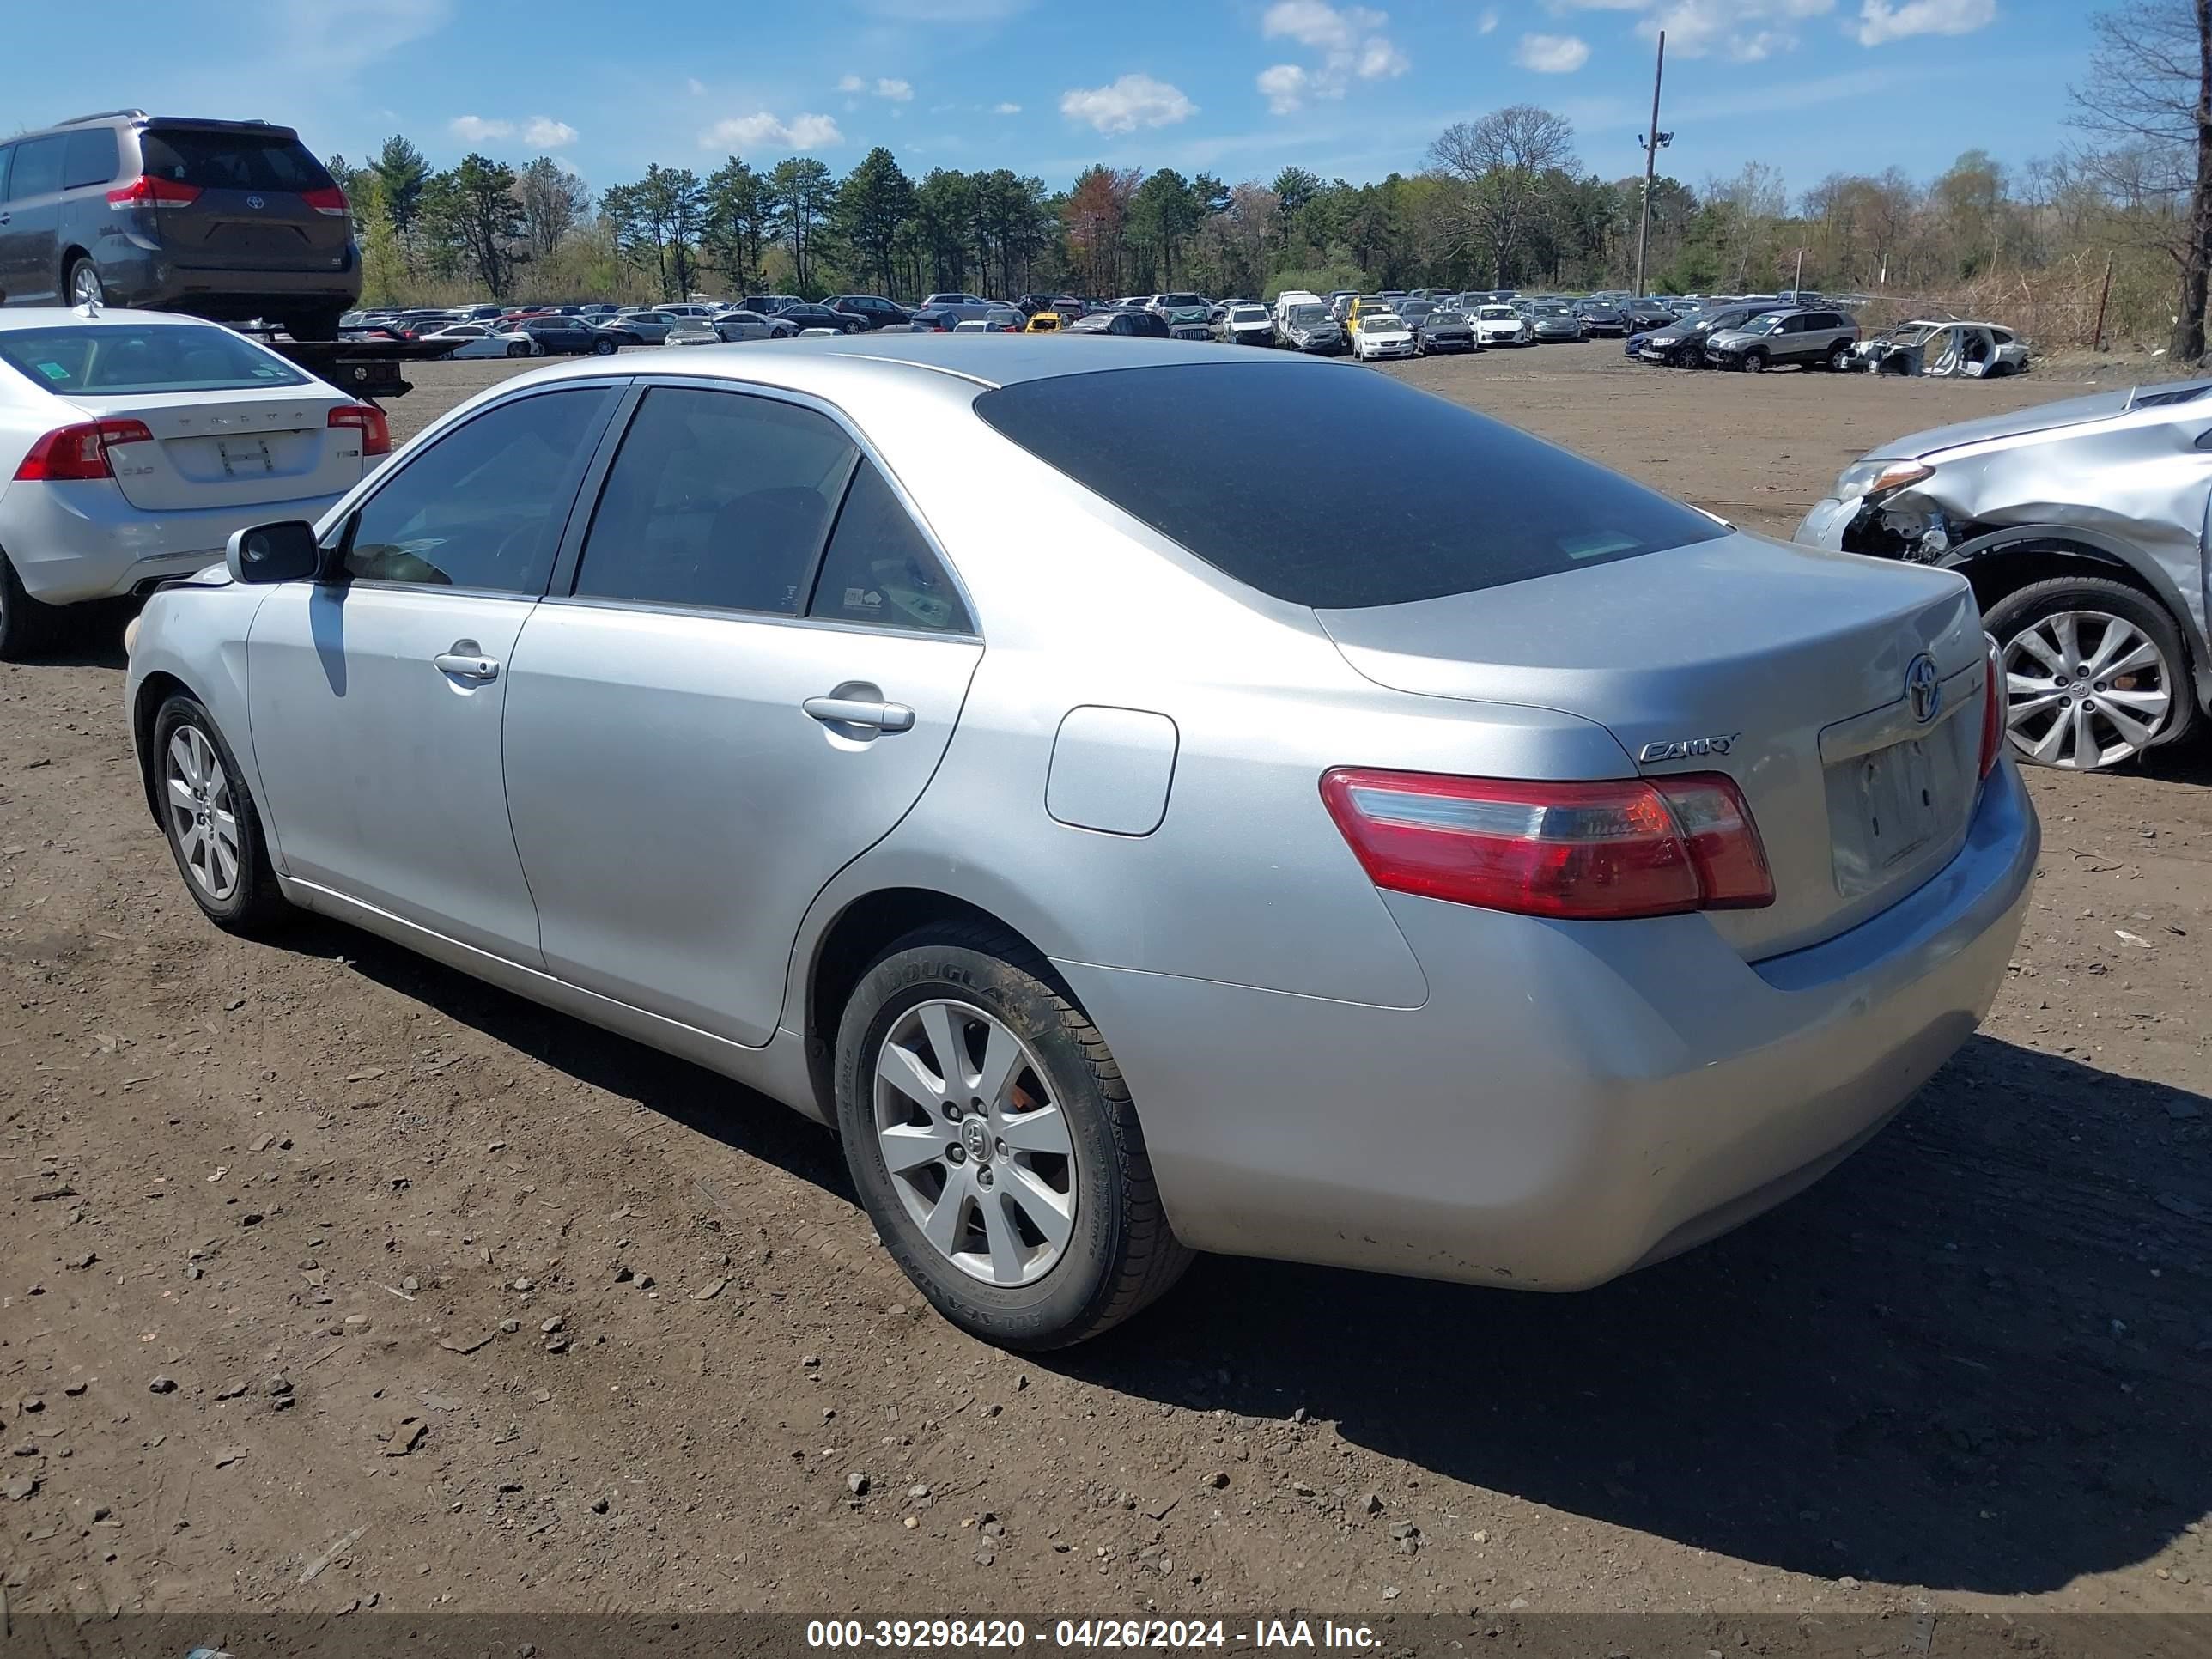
x: 1949, y: 1363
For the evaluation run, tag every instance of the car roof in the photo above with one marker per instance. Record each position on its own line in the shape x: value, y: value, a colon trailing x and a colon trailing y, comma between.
x: 14, y: 317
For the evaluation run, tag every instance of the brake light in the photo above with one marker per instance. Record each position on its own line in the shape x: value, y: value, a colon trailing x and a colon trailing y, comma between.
x: 367, y: 420
x: 147, y: 190
x: 74, y: 453
x: 332, y: 201
x: 1581, y: 851
x: 1993, y: 710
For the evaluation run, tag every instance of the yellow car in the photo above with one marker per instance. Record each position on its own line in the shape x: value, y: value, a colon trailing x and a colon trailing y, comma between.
x: 1045, y: 322
x: 1361, y: 308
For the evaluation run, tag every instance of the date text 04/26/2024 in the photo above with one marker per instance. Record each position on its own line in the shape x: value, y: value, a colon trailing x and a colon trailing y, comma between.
x: 922, y: 1635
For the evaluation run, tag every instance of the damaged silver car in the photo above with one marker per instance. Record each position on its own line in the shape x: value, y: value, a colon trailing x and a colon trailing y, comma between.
x: 1944, y: 351
x: 2082, y: 526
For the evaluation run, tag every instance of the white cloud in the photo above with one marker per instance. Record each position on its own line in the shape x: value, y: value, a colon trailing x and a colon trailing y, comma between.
x: 1551, y: 54
x: 1488, y: 23
x: 1350, y: 39
x: 1880, y: 22
x: 1746, y: 31
x: 1133, y: 102
x: 766, y: 131
x: 897, y: 90
x: 1005, y: 109
x: 1284, y: 86
x: 547, y: 133
x: 475, y: 130
x: 852, y: 83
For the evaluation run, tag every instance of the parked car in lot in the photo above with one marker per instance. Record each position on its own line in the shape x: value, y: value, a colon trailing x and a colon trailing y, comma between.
x: 1186, y: 322
x: 1086, y: 979
x: 1966, y: 350
x: 751, y: 325
x: 1444, y: 330
x: 133, y: 443
x: 2082, y: 526
x: 1809, y: 339
x: 690, y: 331
x: 1245, y: 324
x: 1554, y: 325
x: 1307, y: 328
x: 1126, y: 321
x: 1602, y: 317
x: 560, y: 336
x: 1377, y: 334
x: 642, y: 327
x: 1042, y: 322
x: 872, y: 309
x: 485, y: 340
x: 233, y: 219
x: 1500, y: 324
x: 1682, y: 345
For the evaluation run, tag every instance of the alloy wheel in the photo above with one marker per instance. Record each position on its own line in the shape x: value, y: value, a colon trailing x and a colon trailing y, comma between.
x: 85, y: 287
x: 977, y: 1147
x: 203, y: 817
x: 2084, y: 689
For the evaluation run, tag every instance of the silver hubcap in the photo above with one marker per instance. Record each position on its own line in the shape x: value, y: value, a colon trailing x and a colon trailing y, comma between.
x: 2084, y: 689
x: 202, y: 822
x: 86, y: 287
x: 977, y: 1148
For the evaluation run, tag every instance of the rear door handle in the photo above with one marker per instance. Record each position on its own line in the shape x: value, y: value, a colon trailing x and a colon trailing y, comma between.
x: 466, y: 665
x: 854, y: 711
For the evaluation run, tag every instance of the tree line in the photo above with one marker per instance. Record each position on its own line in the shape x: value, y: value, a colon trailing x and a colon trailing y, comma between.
x: 1501, y: 201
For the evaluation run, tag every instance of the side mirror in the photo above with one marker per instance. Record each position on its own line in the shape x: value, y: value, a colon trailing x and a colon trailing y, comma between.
x: 281, y: 552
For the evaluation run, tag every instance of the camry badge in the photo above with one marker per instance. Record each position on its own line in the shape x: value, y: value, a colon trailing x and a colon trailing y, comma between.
x: 1683, y: 748
x: 1924, y: 688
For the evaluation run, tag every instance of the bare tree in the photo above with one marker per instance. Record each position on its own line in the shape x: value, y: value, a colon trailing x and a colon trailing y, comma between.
x: 2148, y: 97
x: 1502, y: 162
x: 553, y: 202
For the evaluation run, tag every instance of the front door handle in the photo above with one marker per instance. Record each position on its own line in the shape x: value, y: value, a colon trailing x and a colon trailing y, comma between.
x: 463, y: 662
x: 854, y: 711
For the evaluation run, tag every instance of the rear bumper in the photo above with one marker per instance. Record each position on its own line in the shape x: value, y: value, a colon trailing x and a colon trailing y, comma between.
x: 74, y: 542
x: 137, y: 275
x: 1574, y: 1100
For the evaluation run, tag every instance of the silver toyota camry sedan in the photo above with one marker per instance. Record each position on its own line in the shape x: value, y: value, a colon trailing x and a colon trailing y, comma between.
x: 1517, y: 880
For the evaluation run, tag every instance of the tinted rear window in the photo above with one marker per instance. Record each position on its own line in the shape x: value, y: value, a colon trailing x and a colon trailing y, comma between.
x: 1495, y: 505
x: 231, y: 160
x: 118, y: 357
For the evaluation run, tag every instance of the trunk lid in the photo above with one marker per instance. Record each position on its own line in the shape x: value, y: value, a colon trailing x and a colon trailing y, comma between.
x: 1798, y: 658
x: 209, y: 450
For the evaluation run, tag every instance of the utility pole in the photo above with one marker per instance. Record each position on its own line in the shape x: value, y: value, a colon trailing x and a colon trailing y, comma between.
x: 1652, y: 146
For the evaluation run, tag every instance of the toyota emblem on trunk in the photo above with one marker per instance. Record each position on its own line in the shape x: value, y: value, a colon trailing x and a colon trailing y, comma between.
x: 1925, y: 687
x: 255, y: 202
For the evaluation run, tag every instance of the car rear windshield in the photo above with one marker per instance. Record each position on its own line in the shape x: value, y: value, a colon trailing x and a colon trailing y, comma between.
x: 215, y: 160
x: 106, y: 358
x: 1495, y: 505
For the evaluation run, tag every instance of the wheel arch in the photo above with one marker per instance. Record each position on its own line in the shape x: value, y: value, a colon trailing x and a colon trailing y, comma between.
x: 2001, y: 562
x: 156, y: 688
x: 70, y: 254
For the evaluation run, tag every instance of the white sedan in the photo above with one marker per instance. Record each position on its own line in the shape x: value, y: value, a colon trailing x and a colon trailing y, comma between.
x: 487, y: 340
x: 1381, y: 334
x: 1499, y: 326
x: 133, y: 443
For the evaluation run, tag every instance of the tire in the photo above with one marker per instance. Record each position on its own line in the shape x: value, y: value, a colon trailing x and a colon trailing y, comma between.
x: 2037, y: 720
x: 81, y: 282
x: 186, y: 738
x: 1117, y: 1253
x: 1840, y: 356
x: 603, y: 348
x: 518, y: 348
x: 1753, y: 362
x: 26, y: 625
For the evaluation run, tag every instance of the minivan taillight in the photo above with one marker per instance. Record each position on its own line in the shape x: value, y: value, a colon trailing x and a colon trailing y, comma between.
x: 75, y: 453
x: 367, y: 420
x: 332, y: 201
x: 1580, y: 851
x: 1993, y: 709
x: 146, y: 190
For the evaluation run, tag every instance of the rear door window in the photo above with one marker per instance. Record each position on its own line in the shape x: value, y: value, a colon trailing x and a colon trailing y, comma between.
x: 38, y: 169
x: 89, y: 158
x: 1496, y: 506
x: 718, y: 500
x: 215, y: 159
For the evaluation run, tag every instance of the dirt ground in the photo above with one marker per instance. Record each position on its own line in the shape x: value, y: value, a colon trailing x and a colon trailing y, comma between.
x: 333, y: 1279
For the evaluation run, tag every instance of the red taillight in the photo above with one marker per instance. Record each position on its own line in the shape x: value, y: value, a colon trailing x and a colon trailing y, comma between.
x: 1993, y: 710
x: 74, y: 453
x: 1582, y: 851
x: 146, y: 190
x: 369, y: 420
x: 332, y: 201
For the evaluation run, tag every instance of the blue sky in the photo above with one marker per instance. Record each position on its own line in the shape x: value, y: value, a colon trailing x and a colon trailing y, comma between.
x: 1240, y: 88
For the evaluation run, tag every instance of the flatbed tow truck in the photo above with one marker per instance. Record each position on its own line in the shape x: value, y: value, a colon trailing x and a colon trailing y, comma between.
x: 371, y: 370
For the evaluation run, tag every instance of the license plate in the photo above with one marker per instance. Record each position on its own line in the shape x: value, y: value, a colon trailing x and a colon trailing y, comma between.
x: 244, y: 457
